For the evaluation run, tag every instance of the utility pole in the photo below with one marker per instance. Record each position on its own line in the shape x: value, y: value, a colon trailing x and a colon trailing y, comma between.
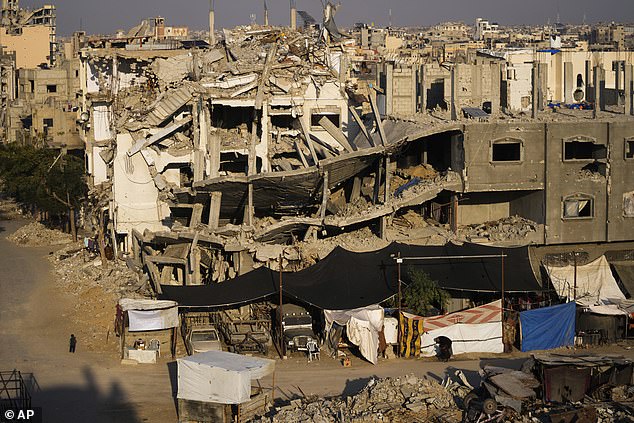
x: 574, y: 289
x: 280, y: 314
x: 399, y: 261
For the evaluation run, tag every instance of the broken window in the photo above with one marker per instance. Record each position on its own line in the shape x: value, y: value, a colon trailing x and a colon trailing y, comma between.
x: 32, y: 85
x: 578, y: 206
x: 584, y: 149
x: 315, y: 117
x: 51, y: 88
x: 629, y: 149
x: 506, y: 151
x: 47, y: 123
x: 628, y: 204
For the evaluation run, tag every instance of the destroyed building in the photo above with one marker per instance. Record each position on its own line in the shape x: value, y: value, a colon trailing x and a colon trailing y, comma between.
x: 210, y: 162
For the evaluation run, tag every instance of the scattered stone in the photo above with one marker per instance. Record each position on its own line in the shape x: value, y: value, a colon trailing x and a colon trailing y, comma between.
x: 37, y: 235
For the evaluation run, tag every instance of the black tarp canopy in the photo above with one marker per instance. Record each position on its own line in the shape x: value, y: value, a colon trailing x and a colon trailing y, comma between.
x: 347, y: 280
x: 625, y: 273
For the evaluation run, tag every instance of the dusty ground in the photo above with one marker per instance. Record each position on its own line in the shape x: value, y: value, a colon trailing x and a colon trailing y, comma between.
x: 36, y: 319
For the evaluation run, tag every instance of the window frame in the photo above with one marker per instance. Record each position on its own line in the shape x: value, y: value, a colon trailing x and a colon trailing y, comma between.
x: 582, y: 139
x: 506, y: 140
x: 577, y: 197
x: 626, y: 144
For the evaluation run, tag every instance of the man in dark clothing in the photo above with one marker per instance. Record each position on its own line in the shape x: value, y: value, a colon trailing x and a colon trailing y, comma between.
x: 444, y: 348
x: 73, y: 343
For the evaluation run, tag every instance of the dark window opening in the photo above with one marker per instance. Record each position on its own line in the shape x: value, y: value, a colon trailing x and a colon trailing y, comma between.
x: 282, y: 121
x: 584, y: 150
x: 227, y: 117
x: 506, y: 152
x: 316, y: 117
x: 76, y: 74
x: 51, y: 88
x: 32, y: 85
x: 579, y: 80
x: 436, y: 95
x: 47, y: 123
x: 578, y: 207
x: 237, y: 163
x: 629, y: 149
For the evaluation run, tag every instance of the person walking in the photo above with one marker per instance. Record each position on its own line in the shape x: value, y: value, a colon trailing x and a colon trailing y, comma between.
x: 73, y: 343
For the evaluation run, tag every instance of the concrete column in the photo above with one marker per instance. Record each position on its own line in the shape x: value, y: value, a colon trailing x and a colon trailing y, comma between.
x: 389, y: 87
x: 214, y: 209
x: 535, y: 95
x: 543, y: 84
x: 596, y: 82
x: 293, y: 15
x: 617, y: 82
x: 568, y: 82
x: 602, y: 88
x: 212, y: 27
x: 423, y: 88
x: 589, y: 96
x: 629, y: 71
x: 495, y: 89
x: 454, y: 93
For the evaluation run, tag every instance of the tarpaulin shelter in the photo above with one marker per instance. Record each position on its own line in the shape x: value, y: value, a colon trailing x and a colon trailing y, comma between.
x: 220, y: 377
x: 362, y: 327
x: 625, y: 273
x: 549, y: 327
x: 411, y: 331
x: 474, y: 330
x: 374, y: 279
x: 595, y: 283
x: 144, y: 315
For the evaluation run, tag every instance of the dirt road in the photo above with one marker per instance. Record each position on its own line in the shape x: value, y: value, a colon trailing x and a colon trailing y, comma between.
x: 89, y: 386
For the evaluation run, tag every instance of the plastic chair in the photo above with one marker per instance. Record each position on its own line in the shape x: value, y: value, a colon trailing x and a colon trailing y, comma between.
x: 155, y: 344
x: 313, y: 351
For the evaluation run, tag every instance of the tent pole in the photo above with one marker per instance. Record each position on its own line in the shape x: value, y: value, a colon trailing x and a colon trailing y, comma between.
x: 574, y: 289
x: 502, y: 296
x: 281, y: 332
x: 399, y: 260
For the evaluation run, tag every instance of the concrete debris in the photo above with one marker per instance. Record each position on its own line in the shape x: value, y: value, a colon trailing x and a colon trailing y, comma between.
x: 402, y: 399
x: 37, y: 235
x: 510, y: 228
x: 96, y: 289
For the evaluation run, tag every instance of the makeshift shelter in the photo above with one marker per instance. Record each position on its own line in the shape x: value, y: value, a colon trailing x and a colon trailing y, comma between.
x: 141, y: 316
x: 374, y: 278
x: 411, y: 331
x: 549, y: 327
x: 594, y: 281
x: 362, y: 328
x: 625, y: 272
x: 208, y: 380
x: 607, y: 322
x: 475, y: 330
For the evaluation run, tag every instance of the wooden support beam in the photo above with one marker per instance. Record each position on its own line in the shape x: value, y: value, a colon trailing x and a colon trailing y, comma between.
x: 155, y: 277
x: 359, y: 121
x: 336, y: 133
x: 197, y: 213
x: 388, y: 180
x: 377, y: 117
x: 166, y: 260
x: 324, y: 196
x: 377, y: 182
x: 298, y: 147
x: 309, y: 141
x: 214, y: 209
x: 356, y: 189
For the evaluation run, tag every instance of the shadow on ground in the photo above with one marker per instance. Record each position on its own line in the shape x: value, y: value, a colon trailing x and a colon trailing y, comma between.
x: 83, y: 401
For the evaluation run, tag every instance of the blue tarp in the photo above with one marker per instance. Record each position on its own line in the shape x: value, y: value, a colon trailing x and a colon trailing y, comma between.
x: 549, y: 327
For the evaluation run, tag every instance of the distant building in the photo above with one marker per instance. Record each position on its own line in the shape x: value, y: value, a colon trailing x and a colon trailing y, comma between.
x: 485, y: 29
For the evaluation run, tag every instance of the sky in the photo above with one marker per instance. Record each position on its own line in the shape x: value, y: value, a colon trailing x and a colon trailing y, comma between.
x: 106, y: 16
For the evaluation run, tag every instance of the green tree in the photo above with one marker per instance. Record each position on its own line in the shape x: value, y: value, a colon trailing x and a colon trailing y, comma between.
x: 422, y: 294
x: 44, y: 179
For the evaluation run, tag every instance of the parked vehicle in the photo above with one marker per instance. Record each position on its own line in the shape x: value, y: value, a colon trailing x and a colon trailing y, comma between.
x: 297, y: 327
x: 204, y: 339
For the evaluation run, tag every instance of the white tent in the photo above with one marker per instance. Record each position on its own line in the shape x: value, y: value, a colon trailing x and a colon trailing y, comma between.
x: 220, y: 377
x: 475, y: 330
x: 150, y: 314
x: 595, y: 283
x: 362, y: 327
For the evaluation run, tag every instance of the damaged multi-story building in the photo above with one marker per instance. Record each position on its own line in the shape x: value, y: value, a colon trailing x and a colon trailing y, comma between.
x: 209, y: 162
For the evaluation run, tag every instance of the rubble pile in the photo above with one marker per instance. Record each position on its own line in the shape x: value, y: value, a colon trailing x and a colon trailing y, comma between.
x: 37, y: 235
x: 95, y: 290
x: 510, y: 228
x: 401, y: 399
x: 9, y: 209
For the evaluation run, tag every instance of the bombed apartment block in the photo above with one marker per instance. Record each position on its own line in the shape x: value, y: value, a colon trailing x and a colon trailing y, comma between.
x: 270, y: 149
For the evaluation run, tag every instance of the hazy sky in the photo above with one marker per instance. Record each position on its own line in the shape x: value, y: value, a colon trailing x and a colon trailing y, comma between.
x: 106, y: 16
